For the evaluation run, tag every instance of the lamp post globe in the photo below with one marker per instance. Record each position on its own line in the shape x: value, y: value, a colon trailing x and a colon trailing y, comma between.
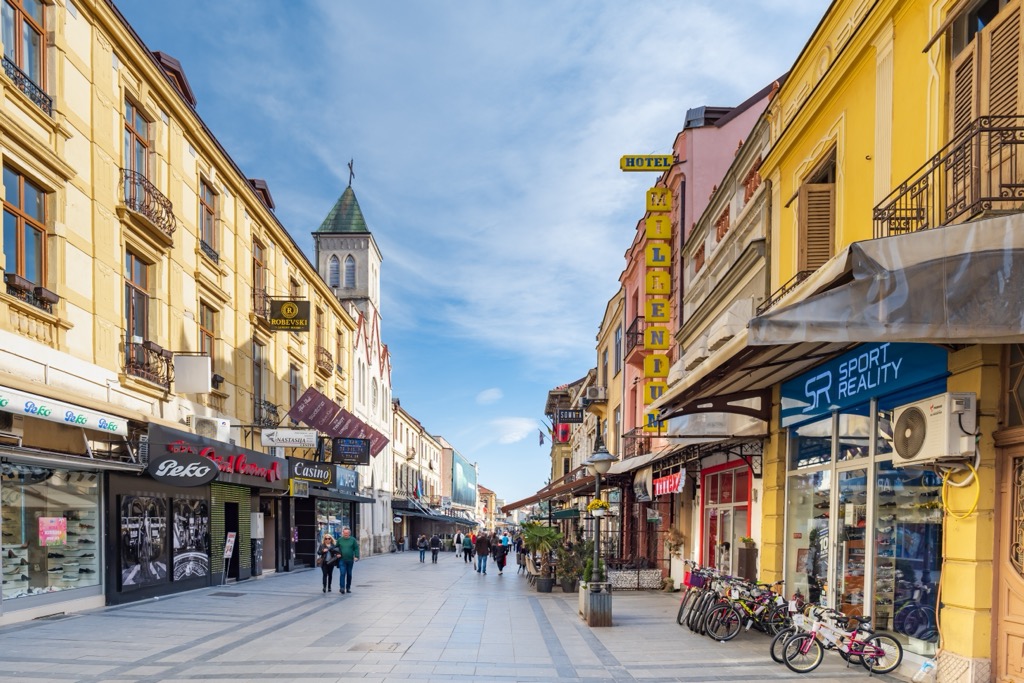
x: 598, y: 463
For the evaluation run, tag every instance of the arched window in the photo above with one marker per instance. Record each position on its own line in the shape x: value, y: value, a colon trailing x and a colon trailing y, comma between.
x: 350, y: 272
x: 334, y: 272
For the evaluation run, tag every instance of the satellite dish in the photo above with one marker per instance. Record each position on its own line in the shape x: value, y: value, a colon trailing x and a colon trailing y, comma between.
x: 910, y: 432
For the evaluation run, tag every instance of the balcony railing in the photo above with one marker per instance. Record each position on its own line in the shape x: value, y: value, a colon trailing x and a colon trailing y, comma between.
x: 977, y: 172
x: 261, y: 303
x: 149, y: 361
x: 210, y: 252
x: 634, y: 443
x: 142, y: 197
x: 782, y: 291
x: 635, y: 334
x: 264, y: 414
x: 40, y: 297
x: 324, y: 360
x: 28, y: 86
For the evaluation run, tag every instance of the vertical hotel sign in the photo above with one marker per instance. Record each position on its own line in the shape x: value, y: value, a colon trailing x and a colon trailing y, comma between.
x: 657, y: 287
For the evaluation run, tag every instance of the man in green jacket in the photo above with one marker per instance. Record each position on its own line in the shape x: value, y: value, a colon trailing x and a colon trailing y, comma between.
x: 349, y: 548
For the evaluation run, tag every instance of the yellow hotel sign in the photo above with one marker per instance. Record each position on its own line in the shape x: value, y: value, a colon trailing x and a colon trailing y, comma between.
x: 646, y: 162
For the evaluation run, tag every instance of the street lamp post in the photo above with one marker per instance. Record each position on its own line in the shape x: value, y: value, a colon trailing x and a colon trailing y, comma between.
x: 599, y: 463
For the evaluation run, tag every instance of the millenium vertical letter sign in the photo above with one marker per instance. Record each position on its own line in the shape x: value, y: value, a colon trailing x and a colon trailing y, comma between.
x: 657, y: 286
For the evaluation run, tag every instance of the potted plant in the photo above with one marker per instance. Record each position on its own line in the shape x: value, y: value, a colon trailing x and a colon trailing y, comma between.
x: 598, y: 507
x: 568, y: 566
x: 674, y: 540
x: 747, y: 541
x: 542, y: 540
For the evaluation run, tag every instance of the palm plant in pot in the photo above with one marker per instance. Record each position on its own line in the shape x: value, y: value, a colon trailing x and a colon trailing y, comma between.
x: 541, y: 540
x: 569, y: 564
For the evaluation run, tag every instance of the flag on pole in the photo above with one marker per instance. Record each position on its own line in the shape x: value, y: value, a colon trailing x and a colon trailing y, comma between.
x: 540, y: 433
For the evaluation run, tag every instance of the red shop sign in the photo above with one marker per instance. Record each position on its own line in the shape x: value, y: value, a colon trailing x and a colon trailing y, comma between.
x: 673, y: 483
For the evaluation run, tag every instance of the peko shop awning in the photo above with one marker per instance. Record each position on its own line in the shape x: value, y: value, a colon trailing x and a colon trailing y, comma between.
x: 961, y: 284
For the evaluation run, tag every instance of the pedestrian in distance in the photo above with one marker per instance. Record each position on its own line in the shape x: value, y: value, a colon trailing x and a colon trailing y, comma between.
x: 467, y: 549
x: 327, y: 556
x: 500, y: 556
x: 435, y: 548
x: 506, y: 541
x: 348, y: 547
x: 421, y: 545
x: 483, y: 549
x: 458, y: 544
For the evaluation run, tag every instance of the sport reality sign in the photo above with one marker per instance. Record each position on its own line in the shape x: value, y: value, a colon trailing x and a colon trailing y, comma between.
x: 324, y: 415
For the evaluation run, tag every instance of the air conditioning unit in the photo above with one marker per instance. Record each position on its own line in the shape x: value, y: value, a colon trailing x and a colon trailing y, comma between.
x: 596, y: 393
x: 938, y: 428
x: 215, y: 428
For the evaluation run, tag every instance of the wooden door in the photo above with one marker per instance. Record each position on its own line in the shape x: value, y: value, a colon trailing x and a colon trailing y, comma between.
x: 1009, y: 580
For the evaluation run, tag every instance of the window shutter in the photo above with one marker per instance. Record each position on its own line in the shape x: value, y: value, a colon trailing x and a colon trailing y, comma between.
x: 1001, y: 63
x: 964, y: 90
x: 817, y: 225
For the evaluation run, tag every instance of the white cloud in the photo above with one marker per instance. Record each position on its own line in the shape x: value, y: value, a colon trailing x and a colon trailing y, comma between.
x: 509, y: 430
x: 488, y: 396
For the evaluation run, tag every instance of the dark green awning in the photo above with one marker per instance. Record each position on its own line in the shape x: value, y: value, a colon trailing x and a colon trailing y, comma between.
x: 568, y: 513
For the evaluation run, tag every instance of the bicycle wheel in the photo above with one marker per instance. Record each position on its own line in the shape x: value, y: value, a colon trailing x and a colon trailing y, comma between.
x: 723, y: 623
x: 686, y: 602
x: 697, y: 614
x: 882, y: 653
x: 778, y: 645
x: 803, y: 653
x: 776, y: 619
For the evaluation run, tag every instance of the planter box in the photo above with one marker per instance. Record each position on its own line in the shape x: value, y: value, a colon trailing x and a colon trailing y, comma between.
x: 598, y: 608
x: 635, y: 579
x: 676, y: 570
x: 583, y: 599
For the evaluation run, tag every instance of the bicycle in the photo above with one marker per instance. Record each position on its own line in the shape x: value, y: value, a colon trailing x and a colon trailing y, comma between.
x: 753, y: 603
x: 878, y: 652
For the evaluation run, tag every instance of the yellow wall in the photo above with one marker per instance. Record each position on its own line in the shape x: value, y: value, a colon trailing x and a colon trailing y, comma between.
x: 76, y: 155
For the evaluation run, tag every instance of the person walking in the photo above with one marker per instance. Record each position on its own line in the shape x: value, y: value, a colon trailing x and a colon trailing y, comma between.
x: 458, y: 544
x: 348, y: 547
x: 467, y: 549
x: 421, y: 545
x: 500, y: 556
x: 506, y: 541
x: 435, y: 548
x: 327, y: 558
x: 483, y: 549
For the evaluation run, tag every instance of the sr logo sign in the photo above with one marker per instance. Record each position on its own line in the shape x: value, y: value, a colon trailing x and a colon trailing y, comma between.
x: 183, y: 469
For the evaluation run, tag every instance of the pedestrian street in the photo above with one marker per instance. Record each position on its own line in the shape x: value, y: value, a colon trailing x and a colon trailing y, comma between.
x: 403, y: 621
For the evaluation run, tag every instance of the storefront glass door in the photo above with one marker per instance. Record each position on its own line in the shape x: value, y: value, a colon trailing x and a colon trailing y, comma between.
x: 849, y: 531
x: 808, y: 506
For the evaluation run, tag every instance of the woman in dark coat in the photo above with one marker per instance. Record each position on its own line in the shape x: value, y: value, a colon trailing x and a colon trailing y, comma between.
x: 328, y: 555
x: 500, y: 555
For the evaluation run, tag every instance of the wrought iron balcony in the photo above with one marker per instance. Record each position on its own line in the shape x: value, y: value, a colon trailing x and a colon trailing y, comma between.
x: 264, y: 414
x: 149, y: 361
x: 261, y: 303
x: 28, y: 86
x: 142, y: 197
x: 782, y: 291
x: 210, y: 252
x: 634, y: 443
x: 22, y: 289
x: 976, y: 173
x: 324, y: 360
x: 635, y: 334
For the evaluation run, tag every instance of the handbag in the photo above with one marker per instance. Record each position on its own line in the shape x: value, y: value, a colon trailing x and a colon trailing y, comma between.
x: 319, y: 560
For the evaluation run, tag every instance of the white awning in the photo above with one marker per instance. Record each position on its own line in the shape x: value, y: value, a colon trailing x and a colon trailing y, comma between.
x: 42, y: 408
x: 960, y: 284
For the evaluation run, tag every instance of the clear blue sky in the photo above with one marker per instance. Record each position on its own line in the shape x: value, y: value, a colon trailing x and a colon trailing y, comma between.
x: 486, y: 139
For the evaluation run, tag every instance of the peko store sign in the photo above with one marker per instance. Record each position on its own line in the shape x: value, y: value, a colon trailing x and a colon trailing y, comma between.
x: 236, y: 465
x: 182, y: 469
x: 40, y: 407
x: 869, y: 371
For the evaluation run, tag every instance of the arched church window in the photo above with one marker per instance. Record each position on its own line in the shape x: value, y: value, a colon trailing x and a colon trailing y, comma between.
x: 350, y: 272
x: 334, y: 272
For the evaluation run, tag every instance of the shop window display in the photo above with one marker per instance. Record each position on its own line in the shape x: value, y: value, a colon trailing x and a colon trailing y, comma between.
x: 332, y: 517
x: 50, y: 530
x: 143, y: 540
x: 808, y: 506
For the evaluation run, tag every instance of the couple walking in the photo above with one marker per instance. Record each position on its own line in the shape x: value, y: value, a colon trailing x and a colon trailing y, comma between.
x: 484, y: 547
x: 342, y: 555
x: 434, y: 544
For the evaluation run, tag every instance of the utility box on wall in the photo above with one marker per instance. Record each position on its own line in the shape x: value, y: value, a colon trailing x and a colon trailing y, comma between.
x: 256, y: 525
x: 746, y: 563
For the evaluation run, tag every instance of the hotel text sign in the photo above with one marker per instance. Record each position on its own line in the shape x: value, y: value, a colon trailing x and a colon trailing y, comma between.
x: 646, y: 162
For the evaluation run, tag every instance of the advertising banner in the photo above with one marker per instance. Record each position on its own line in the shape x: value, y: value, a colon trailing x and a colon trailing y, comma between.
x: 53, y: 531
x: 289, y: 316
x: 324, y: 415
x: 673, y: 483
x: 308, y: 470
x: 289, y: 438
x: 31, y: 405
x: 463, y: 481
x: 237, y: 465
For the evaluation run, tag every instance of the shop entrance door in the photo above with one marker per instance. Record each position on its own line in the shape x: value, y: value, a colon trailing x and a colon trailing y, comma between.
x: 849, y: 529
x: 1009, y: 654
x: 725, y: 516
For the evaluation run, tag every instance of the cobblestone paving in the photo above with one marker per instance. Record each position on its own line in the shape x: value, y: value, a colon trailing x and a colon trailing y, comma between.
x: 404, y: 621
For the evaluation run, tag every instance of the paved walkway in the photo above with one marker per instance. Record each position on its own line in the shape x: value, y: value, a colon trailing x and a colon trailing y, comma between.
x: 404, y: 621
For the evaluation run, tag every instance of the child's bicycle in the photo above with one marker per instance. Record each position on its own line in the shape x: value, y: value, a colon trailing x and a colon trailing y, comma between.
x: 878, y: 652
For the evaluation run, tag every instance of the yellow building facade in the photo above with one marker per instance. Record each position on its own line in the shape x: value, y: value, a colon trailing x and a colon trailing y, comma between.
x: 133, y: 244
